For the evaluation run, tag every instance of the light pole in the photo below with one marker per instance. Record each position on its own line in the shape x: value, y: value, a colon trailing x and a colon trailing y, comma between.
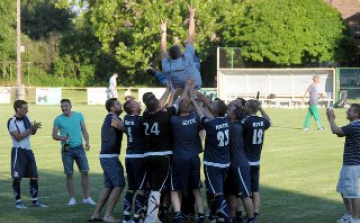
x: 20, y: 92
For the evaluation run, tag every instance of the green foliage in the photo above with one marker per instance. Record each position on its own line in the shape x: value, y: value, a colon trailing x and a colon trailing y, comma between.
x: 283, y: 32
x: 7, y: 27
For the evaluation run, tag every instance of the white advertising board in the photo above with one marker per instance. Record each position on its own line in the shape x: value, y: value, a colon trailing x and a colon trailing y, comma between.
x: 4, y: 95
x: 48, y: 96
x: 96, y: 96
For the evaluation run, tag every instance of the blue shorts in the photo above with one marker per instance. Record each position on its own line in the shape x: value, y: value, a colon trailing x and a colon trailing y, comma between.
x: 215, y: 179
x: 255, y: 178
x: 23, y: 164
x: 238, y: 182
x: 136, y: 175
x: 78, y: 155
x: 113, y: 172
x: 185, y: 173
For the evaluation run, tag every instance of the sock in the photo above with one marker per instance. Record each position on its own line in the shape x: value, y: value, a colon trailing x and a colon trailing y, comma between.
x: 212, y: 208
x: 200, y: 218
x: 139, y: 205
x: 222, y: 208
x: 33, y: 187
x: 16, y: 190
x: 153, y: 205
x: 128, y: 200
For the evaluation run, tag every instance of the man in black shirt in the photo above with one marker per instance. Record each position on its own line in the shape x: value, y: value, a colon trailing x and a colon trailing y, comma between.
x: 157, y: 149
x: 111, y: 138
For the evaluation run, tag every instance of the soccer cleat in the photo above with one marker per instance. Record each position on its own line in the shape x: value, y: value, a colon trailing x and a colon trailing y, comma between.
x: 150, y: 71
x: 305, y: 129
x: 88, y: 201
x: 321, y: 128
x: 355, y: 220
x: 346, y: 218
x: 130, y: 221
x: 20, y: 205
x: 71, y: 202
x: 39, y: 205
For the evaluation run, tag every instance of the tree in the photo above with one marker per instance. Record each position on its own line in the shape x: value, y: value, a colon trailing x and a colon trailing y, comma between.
x: 284, y: 33
x: 7, y: 27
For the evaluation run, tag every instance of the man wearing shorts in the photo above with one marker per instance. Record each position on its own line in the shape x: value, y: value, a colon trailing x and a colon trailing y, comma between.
x: 348, y: 185
x: 23, y: 164
x: 254, y: 128
x: 72, y: 127
x: 134, y: 162
x: 185, y: 169
x: 114, y: 180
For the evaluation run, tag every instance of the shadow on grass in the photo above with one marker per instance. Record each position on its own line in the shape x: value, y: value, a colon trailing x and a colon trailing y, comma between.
x: 278, y: 206
x: 286, y: 127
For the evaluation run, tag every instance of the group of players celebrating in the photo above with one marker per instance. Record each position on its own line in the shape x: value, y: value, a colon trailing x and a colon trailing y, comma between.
x: 162, y: 156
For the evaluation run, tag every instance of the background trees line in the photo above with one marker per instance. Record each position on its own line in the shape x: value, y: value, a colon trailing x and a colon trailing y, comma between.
x: 80, y: 42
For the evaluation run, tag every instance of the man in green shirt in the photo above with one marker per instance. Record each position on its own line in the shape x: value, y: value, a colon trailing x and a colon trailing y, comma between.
x: 72, y: 128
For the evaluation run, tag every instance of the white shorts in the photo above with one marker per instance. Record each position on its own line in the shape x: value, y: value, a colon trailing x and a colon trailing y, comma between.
x: 348, y: 184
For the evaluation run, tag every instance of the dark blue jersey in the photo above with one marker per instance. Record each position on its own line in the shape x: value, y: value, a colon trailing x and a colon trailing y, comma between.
x: 186, y: 137
x: 135, y: 138
x: 217, y: 148
x: 237, y: 153
x: 157, y: 132
x: 253, y: 133
x: 111, y: 137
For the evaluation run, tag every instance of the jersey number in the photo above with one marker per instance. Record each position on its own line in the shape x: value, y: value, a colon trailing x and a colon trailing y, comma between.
x: 257, y: 136
x: 130, y: 138
x: 154, y: 128
x: 223, y: 138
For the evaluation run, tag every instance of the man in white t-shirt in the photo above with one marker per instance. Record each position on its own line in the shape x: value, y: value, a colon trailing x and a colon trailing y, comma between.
x: 23, y: 164
x: 112, y: 90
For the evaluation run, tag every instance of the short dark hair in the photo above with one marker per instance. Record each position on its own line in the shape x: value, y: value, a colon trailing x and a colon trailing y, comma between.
x: 253, y: 105
x: 152, y: 103
x: 175, y: 52
x: 242, y: 100
x: 356, y: 107
x: 220, y: 108
x: 184, y: 105
x: 65, y: 100
x: 19, y: 104
x: 128, y: 106
x: 238, y: 113
x: 110, y: 103
x: 146, y: 96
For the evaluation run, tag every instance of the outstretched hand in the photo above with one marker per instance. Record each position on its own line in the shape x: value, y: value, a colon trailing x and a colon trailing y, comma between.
x: 191, y: 11
x: 163, y: 25
x: 36, y: 125
x: 330, y: 114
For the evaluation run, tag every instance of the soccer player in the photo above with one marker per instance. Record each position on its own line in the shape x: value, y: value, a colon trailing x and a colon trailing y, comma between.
x: 254, y: 128
x: 237, y: 183
x: 114, y: 180
x: 348, y: 185
x: 179, y: 65
x: 313, y: 91
x: 216, y: 157
x: 158, y: 144
x: 185, y: 169
x: 72, y: 127
x: 134, y: 161
x: 23, y: 164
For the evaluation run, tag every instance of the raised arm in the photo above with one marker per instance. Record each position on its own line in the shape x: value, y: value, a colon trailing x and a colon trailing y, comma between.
x: 165, y: 96
x: 334, y: 128
x: 191, y: 37
x: 263, y: 113
x: 197, y: 108
x: 164, y: 52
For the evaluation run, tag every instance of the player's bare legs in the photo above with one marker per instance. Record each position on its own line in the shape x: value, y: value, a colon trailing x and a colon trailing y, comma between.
x: 85, y: 183
x: 104, y: 195
x: 256, y: 201
x: 175, y: 200
x: 70, y: 185
x: 113, y: 199
x: 198, y: 201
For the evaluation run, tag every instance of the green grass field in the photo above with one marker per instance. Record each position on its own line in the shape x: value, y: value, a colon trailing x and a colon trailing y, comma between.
x: 299, y: 169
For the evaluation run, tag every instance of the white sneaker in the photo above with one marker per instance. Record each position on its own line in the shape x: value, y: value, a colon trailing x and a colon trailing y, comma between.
x: 353, y: 220
x: 89, y: 201
x: 346, y: 218
x: 20, y: 205
x: 71, y: 202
